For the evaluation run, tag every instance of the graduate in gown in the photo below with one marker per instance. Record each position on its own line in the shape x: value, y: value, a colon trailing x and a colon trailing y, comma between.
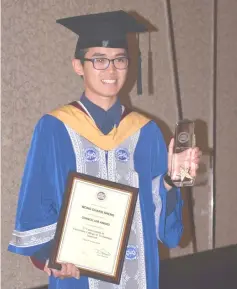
x: 98, y: 136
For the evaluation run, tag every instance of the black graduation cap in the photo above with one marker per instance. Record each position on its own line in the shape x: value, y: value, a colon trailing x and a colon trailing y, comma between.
x: 107, y: 29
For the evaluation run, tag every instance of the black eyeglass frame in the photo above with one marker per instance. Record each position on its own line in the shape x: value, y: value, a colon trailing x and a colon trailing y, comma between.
x: 110, y: 60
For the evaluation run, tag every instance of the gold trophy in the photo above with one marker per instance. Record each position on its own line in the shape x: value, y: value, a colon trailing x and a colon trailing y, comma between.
x: 184, y: 141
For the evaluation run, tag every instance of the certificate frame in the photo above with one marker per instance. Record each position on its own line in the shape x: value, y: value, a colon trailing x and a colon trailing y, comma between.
x: 129, y: 192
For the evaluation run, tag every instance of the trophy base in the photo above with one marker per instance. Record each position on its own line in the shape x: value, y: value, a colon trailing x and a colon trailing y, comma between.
x: 179, y: 183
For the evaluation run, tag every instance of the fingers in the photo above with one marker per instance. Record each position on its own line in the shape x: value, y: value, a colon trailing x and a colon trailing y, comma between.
x: 171, y: 146
x: 63, y: 271
x: 72, y: 271
x: 47, y: 269
x: 193, y: 169
x: 170, y: 154
x: 67, y: 271
x: 75, y: 272
x: 56, y: 273
x: 196, y: 155
x: 195, y: 160
x: 196, y: 152
x: 188, y: 159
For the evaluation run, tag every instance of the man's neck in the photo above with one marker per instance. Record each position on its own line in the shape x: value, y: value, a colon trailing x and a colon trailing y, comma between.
x: 102, y: 101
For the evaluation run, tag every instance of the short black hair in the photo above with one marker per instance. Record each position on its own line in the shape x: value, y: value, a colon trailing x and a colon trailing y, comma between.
x: 81, y: 55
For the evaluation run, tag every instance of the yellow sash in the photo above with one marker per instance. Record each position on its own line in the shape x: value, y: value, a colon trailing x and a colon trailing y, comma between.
x: 85, y: 126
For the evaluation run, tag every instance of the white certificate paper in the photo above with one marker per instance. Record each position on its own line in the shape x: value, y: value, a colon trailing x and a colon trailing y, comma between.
x: 94, y: 227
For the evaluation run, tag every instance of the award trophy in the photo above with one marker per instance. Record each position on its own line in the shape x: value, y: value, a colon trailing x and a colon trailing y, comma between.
x: 181, y: 167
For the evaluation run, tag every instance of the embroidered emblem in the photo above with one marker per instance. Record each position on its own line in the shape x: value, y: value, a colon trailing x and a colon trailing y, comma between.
x: 122, y: 155
x: 91, y: 155
x: 105, y: 43
x: 131, y: 252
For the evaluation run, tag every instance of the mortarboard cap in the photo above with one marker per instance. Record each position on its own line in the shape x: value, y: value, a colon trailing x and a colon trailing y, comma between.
x: 107, y: 29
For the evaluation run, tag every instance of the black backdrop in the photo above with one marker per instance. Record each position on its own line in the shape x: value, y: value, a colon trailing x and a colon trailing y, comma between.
x: 214, y: 269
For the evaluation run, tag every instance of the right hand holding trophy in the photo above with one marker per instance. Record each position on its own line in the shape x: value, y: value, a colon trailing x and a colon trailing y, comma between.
x: 185, y: 156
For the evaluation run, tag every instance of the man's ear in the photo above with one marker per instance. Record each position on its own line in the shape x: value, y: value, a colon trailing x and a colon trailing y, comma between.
x: 78, y: 67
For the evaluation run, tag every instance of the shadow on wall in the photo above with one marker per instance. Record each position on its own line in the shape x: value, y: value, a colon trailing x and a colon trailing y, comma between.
x: 201, y: 131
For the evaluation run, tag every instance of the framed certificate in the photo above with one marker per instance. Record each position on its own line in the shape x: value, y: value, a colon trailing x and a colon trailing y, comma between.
x: 94, y: 227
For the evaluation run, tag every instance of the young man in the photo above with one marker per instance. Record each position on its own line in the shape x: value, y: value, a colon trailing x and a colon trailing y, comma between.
x: 99, y: 137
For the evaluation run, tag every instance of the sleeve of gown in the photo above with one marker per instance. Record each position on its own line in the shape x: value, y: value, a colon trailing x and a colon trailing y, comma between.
x: 168, y: 204
x: 48, y: 163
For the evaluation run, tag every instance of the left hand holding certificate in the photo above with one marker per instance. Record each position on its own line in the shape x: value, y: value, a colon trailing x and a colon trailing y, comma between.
x: 94, y: 226
x: 66, y: 271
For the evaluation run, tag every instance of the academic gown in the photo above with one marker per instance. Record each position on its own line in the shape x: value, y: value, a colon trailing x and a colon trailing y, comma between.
x: 134, y: 153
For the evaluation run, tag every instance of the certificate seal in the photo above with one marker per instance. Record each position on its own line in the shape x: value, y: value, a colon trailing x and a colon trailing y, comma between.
x: 101, y: 196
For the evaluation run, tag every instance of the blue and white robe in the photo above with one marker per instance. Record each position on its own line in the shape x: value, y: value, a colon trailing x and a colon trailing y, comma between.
x: 138, y: 160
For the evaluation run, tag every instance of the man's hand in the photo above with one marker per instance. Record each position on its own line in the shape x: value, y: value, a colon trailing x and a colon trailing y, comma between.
x: 67, y: 271
x: 194, y: 154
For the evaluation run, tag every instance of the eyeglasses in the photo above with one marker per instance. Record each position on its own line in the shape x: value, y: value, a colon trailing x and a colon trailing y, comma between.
x: 103, y: 63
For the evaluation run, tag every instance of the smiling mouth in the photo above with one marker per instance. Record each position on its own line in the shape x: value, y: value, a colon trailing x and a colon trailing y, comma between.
x: 109, y: 81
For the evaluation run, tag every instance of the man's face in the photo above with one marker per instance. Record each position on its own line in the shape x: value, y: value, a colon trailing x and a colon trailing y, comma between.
x: 108, y: 82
